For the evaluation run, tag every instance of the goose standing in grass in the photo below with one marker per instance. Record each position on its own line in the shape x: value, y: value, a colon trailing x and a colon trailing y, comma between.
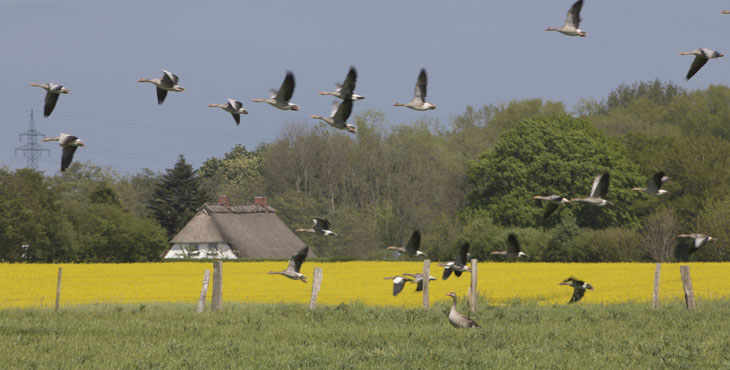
x: 513, y: 248
x: 458, y: 265
x: 168, y: 82
x: 69, y: 143
x: 280, y: 98
x: 553, y: 202
x: 398, y: 283
x: 412, y: 246
x: 321, y: 227
x: 52, y: 93
x: 338, y: 117
x: 419, y: 280
x: 458, y: 320
x: 699, y: 240
x: 653, y: 186
x: 702, y: 55
x: 349, y: 81
x: 419, y: 97
x: 598, y: 192
x: 572, y: 22
x: 295, y: 264
x: 234, y: 107
x: 579, y: 288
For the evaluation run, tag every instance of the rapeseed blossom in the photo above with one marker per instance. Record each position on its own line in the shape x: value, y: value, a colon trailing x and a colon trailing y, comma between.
x: 34, y: 285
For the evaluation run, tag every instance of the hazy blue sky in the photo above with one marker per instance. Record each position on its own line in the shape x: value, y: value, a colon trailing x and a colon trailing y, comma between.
x: 476, y: 52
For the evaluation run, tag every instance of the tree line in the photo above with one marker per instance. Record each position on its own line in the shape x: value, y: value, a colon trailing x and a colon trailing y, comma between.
x: 471, y: 180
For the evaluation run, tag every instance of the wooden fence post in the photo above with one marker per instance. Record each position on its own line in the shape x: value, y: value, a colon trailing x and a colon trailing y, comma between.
x: 58, y: 289
x: 656, y: 285
x: 204, y: 291
x: 426, y: 280
x: 316, y: 284
x: 217, y: 300
x: 473, y: 286
x: 689, y: 294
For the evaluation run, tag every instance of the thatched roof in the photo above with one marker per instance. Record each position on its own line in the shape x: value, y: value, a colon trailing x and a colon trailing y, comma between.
x: 252, y: 230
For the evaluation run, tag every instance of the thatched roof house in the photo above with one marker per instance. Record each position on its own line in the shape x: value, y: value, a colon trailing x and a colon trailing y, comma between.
x: 226, y: 230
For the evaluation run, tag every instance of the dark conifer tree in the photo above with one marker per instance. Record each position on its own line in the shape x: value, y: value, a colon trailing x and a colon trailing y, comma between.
x: 177, y: 196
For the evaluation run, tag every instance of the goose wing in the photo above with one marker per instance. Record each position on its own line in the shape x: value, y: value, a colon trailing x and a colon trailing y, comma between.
x: 600, y: 186
x: 513, y: 246
x: 447, y: 273
x: 699, y: 61
x: 420, y: 91
x: 414, y: 242
x: 321, y: 224
x: 287, y: 88
x: 398, y: 284
x: 295, y: 263
x: 235, y: 104
x: 68, y: 154
x: 343, y: 111
x: 169, y: 79
x: 550, y: 209
x: 348, y: 86
x: 463, y: 250
x: 573, y: 16
x: 655, y: 182
x: 578, y: 293
x: 50, y: 103
x: 161, y: 95
x: 573, y: 282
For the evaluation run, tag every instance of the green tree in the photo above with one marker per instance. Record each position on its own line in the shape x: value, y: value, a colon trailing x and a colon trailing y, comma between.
x: 177, y: 196
x: 552, y: 155
x: 237, y: 174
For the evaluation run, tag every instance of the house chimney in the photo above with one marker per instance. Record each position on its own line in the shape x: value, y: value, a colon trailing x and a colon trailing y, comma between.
x: 261, y: 201
x: 223, y: 200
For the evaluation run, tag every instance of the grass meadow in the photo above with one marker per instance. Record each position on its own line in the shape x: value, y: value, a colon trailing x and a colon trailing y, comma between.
x: 358, y: 336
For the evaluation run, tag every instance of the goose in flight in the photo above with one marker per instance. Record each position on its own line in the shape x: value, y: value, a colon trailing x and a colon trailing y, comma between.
x: 412, y: 246
x: 419, y: 279
x: 702, y: 55
x: 280, y: 98
x: 295, y: 264
x: 338, y: 117
x: 458, y: 320
x: 234, y: 107
x: 419, y: 97
x: 348, y: 85
x: 579, y: 288
x: 513, y: 248
x: 699, y: 240
x: 653, y: 186
x: 398, y: 283
x: 553, y: 202
x: 321, y: 227
x: 572, y: 22
x: 598, y: 192
x: 459, y: 265
x: 168, y: 82
x: 52, y: 93
x: 69, y: 143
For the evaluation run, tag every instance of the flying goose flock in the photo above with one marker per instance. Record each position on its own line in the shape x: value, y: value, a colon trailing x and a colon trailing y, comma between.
x: 342, y: 110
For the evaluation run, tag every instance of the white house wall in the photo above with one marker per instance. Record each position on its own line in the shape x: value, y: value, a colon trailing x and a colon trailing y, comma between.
x: 200, y: 251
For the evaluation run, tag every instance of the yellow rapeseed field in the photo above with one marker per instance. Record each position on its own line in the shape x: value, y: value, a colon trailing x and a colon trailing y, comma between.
x: 34, y: 285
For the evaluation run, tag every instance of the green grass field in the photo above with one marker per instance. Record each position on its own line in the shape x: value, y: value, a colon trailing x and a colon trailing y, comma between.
x: 173, y: 336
